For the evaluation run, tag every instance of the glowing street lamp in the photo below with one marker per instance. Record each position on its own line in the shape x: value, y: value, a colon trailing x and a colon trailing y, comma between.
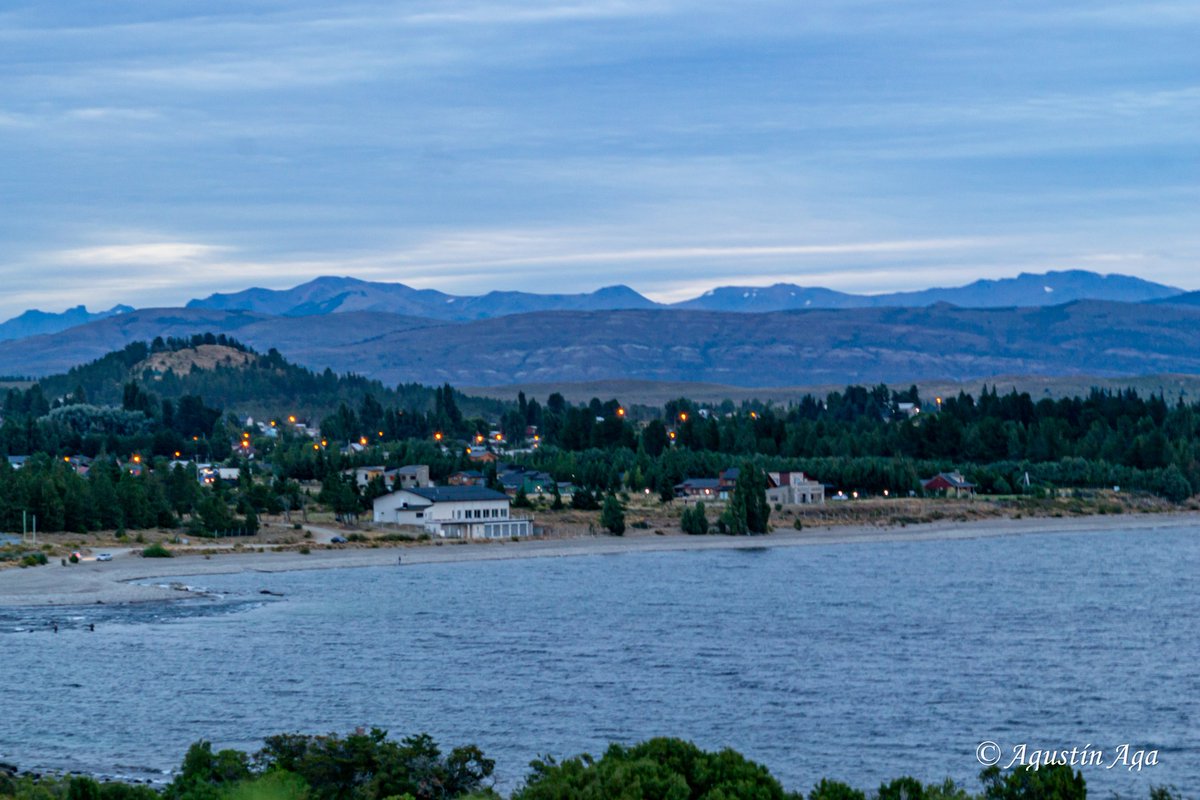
x: 620, y: 412
x: 437, y: 437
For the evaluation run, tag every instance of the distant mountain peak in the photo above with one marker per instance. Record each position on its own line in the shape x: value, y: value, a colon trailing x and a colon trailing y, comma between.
x: 35, y: 322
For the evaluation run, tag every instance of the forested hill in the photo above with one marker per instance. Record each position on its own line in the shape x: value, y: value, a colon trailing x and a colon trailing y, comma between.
x: 230, y: 375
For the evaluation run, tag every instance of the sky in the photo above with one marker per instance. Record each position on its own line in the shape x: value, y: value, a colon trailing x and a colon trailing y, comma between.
x: 155, y: 152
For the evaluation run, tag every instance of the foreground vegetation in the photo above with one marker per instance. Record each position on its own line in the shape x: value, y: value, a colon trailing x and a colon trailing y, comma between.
x: 367, y: 765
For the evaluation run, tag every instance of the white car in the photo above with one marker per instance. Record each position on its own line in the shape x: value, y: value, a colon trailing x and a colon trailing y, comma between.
x: 104, y: 557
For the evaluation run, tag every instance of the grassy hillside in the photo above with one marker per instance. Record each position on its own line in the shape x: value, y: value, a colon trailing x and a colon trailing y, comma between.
x: 232, y: 376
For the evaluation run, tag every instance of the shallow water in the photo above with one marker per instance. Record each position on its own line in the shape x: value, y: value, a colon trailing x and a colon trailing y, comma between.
x: 859, y: 662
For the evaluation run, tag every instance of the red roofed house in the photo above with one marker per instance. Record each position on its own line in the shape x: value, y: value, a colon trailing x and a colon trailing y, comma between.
x: 949, y: 483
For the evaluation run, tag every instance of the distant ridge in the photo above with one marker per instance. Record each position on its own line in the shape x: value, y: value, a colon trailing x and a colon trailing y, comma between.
x: 1027, y: 290
x: 36, y: 323
x: 339, y: 295
x: 329, y: 295
x: 782, y: 348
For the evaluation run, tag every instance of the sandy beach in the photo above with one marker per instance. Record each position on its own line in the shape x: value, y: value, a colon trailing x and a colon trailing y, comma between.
x: 121, y: 580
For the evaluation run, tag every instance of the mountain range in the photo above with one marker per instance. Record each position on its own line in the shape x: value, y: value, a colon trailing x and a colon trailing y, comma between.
x: 333, y: 295
x: 1029, y: 325
x: 782, y: 348
x: 330, y: 295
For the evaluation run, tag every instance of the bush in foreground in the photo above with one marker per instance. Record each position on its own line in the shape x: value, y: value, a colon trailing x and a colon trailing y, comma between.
x: 367, y: 765
x: 156, y: 550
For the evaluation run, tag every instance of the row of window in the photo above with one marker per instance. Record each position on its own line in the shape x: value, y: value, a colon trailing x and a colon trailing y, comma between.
x: 481, y: 513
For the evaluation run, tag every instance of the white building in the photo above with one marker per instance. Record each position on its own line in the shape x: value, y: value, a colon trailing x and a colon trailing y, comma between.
x: 364, y: 475
x: 794, y: 489
x: 453, y: 512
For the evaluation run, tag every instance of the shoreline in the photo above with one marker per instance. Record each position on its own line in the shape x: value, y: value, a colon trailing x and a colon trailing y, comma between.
x: 117, y: 581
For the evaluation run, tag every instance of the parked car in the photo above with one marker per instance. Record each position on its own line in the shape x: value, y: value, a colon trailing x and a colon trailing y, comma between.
x: 338, y: 540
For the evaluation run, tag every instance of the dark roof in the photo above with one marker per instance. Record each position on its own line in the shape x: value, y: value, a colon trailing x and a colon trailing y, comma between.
x: 470, y: 473
x: 700, y: 483
x: 450, y: 494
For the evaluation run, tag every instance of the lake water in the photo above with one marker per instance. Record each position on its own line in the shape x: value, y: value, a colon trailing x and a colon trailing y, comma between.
x: 858, y: 662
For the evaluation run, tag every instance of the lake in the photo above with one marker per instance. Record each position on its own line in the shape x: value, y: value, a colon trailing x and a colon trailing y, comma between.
x: 857, y: 662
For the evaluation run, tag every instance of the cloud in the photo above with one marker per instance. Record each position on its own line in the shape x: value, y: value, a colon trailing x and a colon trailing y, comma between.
x: 157, y: 254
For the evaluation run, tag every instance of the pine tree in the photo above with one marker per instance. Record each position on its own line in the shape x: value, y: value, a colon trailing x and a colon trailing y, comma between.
x: 522, y: 499
x: 612, y: 516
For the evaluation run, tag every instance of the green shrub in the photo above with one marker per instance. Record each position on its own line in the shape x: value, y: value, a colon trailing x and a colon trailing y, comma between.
x: 156, y: 550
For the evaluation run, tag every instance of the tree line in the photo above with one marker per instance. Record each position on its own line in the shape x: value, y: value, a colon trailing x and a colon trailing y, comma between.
x: 862, y: 439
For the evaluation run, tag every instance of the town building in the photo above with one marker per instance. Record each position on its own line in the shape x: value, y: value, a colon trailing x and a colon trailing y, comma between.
x: 470, y: 477
x: 453, y: 512
x: 794, y: 489
x: 364, y: 475
x: 409, y: 477
x: 949, y: 483
x: 705, y: 489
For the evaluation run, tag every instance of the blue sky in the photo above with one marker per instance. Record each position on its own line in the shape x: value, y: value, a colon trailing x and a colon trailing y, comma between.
x: 153, y: 152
